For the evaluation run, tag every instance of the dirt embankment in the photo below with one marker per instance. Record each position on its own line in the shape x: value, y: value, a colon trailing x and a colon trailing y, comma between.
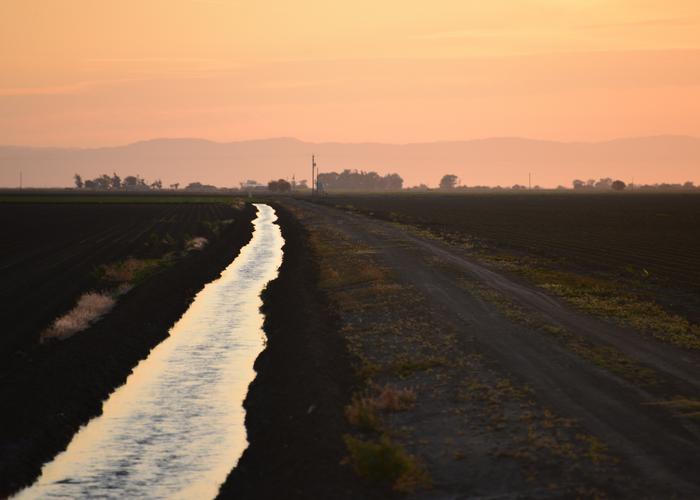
x: 52, y: 390
x: 294, y: 407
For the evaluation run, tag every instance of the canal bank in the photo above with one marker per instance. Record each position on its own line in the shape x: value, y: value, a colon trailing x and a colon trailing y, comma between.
x: 295, y: 406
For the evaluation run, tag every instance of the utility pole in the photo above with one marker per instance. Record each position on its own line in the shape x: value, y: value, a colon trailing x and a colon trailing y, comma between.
x: 313, y: 174
x: 529, y: 180
x: 20, y: 180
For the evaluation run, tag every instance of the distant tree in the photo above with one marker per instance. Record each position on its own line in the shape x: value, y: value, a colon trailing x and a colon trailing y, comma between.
x: 448, y: 181
x: 175, y: 186
x: 198, y: 186
x: 688, y: 185
x: 116, y: 181
x: 103, y: 182
x: 78, y: 181
x: 393, y: 182
x: 618, y: 185
x: 90, y: 184
x: 590, y: 183
x: 605, y: 183
x: 579, y: 184
x: 279, y: 186
x: 358, y: 180
x: 518, y: 187
x: 157, y: 184
x: 302, y: 184
x: 130, y: 181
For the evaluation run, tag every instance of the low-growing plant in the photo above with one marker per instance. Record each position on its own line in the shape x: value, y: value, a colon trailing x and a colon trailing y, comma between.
x: 384, y: 462
x: 681, y: 407
x: 406, y: 366
x: 605, y: 298
x: 196, y: 243
x: 362, y: 413
x: 394, y: 399
x: 131, y: 270
x: 90, y: 307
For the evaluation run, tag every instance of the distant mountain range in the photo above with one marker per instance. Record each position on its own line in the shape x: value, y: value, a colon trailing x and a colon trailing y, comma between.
x: 496, y: 161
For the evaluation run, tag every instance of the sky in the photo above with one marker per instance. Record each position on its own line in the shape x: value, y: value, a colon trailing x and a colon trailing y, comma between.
x: 97, y: 72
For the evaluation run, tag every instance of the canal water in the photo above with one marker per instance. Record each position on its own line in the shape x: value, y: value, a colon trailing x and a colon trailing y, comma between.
x: 176, y: 427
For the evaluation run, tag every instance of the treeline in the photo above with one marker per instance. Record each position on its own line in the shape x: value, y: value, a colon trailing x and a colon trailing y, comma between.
x: 451, y: 182
x: 603, y: 184
x: 356, y: 180
x: 132, y: 183
x: 607, y: 184
x: 114, y: 182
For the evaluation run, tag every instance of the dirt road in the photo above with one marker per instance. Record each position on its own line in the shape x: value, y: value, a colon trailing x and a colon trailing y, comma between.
x: 658, y: 446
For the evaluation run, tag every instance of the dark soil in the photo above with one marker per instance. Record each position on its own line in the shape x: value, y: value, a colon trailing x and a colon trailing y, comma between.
x: 49, y: 391
x: 294, y: 406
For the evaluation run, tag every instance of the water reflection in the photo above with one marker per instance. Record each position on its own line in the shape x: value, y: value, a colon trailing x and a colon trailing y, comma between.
x: 176, y: 428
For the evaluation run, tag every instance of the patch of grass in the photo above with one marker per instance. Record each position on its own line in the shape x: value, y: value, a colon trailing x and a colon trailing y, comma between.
x: 384, y: 462
x: 90, y: 307
x: 597, y: 450
x: 681, y: 407
x: 605, y: 298
x: 216, y: 227
x: 408, y: 365
x: 392, y: 398
x: 362, y: 413
x: 343, y: 264
x: 131, y: 270
x: 606, y: 357
x: 196, y: 243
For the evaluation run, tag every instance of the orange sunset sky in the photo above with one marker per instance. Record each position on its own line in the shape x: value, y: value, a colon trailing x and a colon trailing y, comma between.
x: 98, y: 72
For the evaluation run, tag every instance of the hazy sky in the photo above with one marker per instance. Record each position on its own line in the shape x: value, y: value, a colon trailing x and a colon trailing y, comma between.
x: 99, y: 72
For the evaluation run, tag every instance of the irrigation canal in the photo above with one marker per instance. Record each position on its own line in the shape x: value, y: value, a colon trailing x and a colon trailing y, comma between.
x: 176, y: 427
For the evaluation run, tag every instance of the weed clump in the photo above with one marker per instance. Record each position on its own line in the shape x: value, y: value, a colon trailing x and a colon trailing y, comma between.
x: 361, y: 413
x: 394, y: 399
x: 130, y: 270
x: 196, y: 243
x: 384, y: 462
x: 90, y: 307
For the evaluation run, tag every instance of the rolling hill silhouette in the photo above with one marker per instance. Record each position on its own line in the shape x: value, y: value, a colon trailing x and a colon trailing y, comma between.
x: 495, y: 161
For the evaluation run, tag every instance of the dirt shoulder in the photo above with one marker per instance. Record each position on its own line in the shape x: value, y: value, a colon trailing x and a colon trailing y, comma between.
x: 53, y: 389
x: 462, y: 394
